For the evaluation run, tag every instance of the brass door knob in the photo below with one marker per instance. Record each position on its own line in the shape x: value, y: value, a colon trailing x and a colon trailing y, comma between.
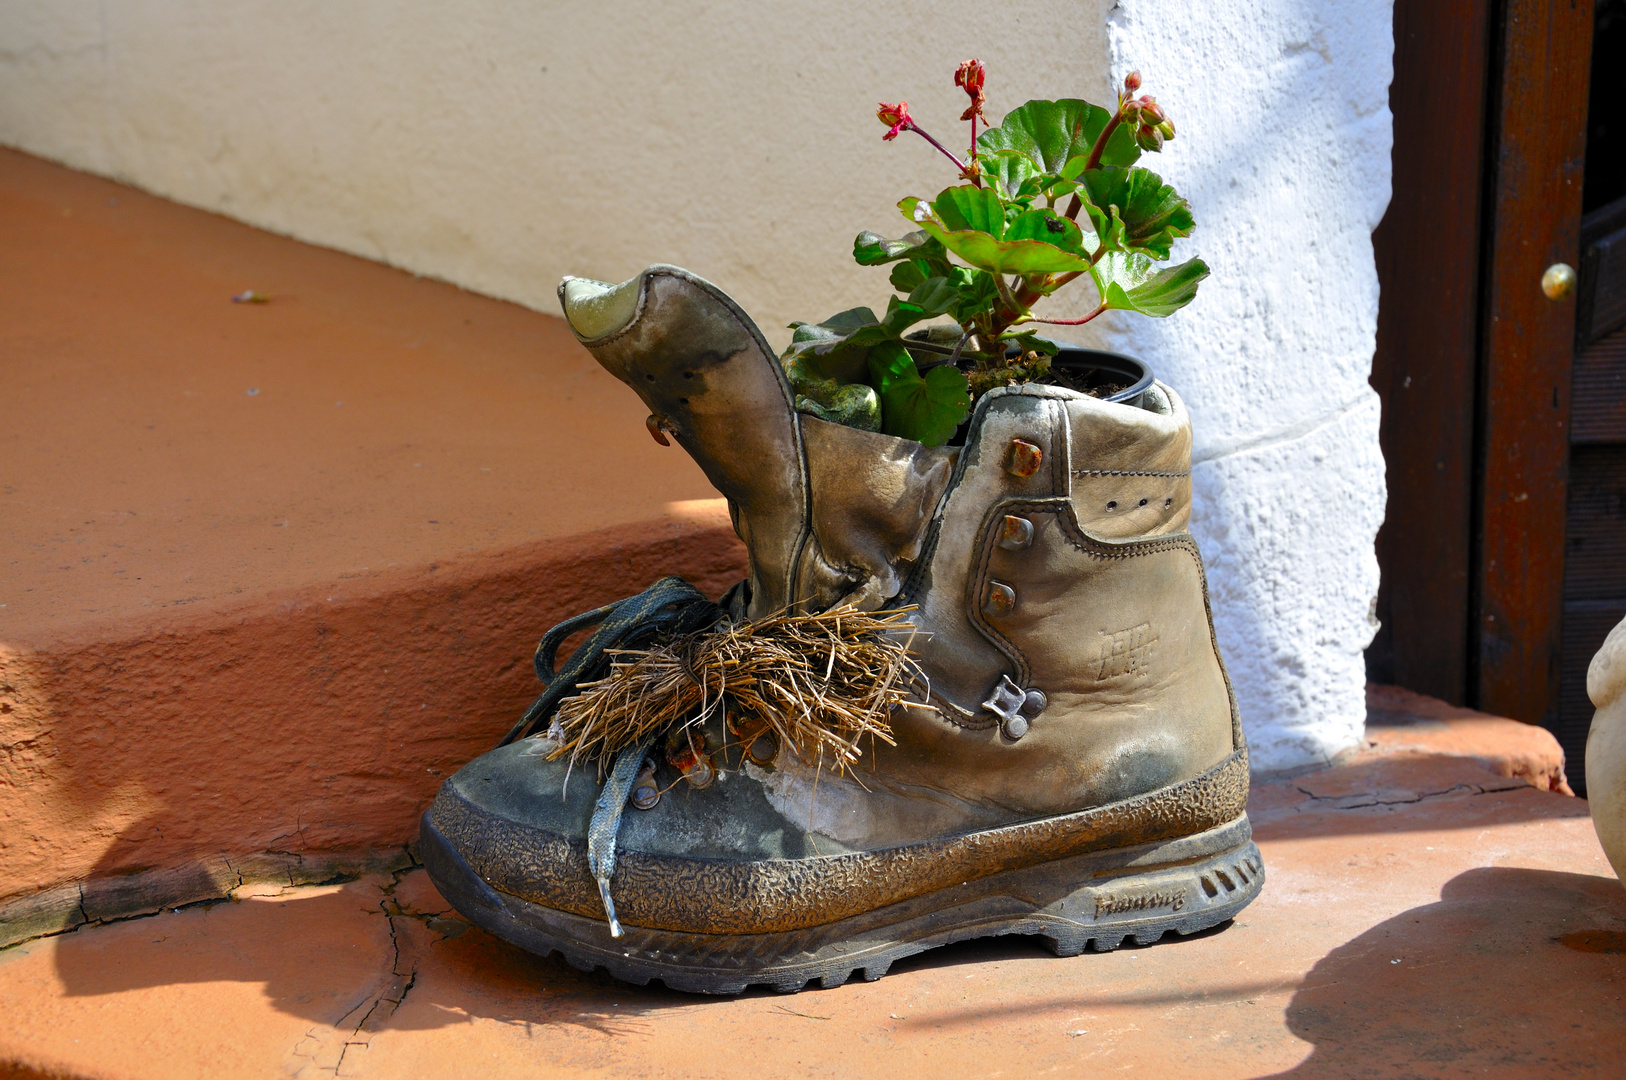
x: 1558, y: 281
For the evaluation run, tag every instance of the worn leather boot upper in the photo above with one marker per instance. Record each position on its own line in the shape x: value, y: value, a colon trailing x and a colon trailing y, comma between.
x: 1062, y: 608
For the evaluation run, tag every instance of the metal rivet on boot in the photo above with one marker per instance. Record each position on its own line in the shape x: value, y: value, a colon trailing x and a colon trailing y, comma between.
x: 763, y: 749
x: 645, y: 792
x: 1014, y: 707
x: 1015, y: 533
x: 1000, y: 599
x: 1023, y: 459
x: 700, y: 774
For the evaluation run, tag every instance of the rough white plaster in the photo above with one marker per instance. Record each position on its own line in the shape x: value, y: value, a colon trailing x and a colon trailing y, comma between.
x: 503, y: 145
x: 1283, y: 150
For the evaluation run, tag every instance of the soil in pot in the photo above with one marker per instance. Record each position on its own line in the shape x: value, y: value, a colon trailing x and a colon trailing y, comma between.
x: 1110, y: 376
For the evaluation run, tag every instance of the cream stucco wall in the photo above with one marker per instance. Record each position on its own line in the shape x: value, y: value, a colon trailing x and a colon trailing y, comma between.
x: 502, y: 145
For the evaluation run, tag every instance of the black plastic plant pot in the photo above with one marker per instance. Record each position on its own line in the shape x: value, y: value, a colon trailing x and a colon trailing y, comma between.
x: 1106, y: 375
x: 1109, y: 376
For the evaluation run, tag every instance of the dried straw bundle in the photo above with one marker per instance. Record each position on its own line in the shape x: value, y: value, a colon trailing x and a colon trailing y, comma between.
x: 821, y: 682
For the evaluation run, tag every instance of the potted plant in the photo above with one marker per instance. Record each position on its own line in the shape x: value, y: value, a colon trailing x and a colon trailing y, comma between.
x: 963, y: 690
x: 1050, y: 197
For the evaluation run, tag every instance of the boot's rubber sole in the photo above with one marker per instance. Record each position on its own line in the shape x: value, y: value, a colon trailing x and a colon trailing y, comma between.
x: 1096, y: 900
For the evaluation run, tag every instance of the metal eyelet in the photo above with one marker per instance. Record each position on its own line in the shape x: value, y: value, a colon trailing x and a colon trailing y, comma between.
x: 1015, y: 533
x: 1000, y: 600
x: 1023, y: 459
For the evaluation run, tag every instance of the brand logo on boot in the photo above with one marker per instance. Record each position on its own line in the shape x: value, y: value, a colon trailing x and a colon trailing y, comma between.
x: 1127, y: 652
x: 1108, y: 904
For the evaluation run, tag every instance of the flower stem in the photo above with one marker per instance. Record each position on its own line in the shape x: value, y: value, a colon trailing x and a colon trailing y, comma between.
x: 1006, y: 295
x: 1073, y: 322
x: 945, y: 151
x: 1094, y: 160
x: 1100, y: 146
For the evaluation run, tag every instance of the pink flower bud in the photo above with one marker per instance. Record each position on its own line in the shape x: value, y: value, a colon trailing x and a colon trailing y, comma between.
x: 1151, y: 112
x: 1132, y: 82
x: 970, y: 77
x: 895, y: 117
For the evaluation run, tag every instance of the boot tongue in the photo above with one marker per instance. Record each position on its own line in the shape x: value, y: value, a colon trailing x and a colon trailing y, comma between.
x: 596, y: 310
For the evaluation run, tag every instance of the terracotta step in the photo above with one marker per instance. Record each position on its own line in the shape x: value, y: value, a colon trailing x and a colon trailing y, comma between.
x: 269, y: 570
x: 1424, y: 914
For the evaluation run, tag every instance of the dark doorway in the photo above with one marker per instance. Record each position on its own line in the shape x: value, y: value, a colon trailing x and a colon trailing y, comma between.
x: 1595, y: 548
x: 1504, y: 393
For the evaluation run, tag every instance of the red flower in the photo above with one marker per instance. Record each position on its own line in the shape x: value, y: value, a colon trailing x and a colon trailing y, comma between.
x: 970, y: 77
x: 895, y: 117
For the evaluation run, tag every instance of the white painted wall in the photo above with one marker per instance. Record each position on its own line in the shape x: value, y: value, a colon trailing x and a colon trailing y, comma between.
x: 501, y: 145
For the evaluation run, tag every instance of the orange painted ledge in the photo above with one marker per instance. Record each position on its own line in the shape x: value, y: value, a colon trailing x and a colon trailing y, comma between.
x: 268, y: 571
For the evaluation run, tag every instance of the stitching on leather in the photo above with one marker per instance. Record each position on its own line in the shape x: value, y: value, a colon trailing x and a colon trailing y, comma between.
x: 1057, y: 417
x: 961, y: 718
x: 1060, y: 451
x: 1067, y: 519
x: 1239, y: 742
x: 1088, y: 544
x: 979, y: 579
x: 1085, y: 543
x: 1129, y: 472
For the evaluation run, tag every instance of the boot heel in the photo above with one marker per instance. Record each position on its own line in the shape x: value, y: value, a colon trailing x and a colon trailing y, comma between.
x: 1142, y: 905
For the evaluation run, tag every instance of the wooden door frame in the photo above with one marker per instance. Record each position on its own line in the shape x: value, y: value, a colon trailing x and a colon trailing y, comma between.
x: 1537, y: 144
x: 1472, y: 360
x: 1425, y: 365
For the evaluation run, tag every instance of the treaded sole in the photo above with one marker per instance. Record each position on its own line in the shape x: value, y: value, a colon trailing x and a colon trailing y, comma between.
x: 1095, y: 901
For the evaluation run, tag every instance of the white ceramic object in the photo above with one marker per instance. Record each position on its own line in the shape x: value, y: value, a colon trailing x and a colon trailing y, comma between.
x: 1606, y: 747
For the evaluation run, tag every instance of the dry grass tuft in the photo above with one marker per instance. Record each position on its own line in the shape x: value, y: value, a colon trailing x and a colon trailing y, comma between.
x: 821, y: 682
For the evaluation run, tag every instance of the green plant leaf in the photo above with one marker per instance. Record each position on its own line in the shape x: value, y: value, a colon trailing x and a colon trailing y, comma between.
x: 1012, y: 173
x: 1128, y: 283
x: 1049, y: 227
x: 975, y: 290
x: 924, y: 408
x: 964, y: 208
x: 933, y: 296
x: 970, y: 227
x: 823, y: 351
x: 870, y: 249
x: 1052, y: 133
x: 838, y: 349
x: 1028, y: 340
x: 909, y: 275
x: 853, y: 404
x: 833, y: 327
x: 1153, y: 215
x: 805, y: 366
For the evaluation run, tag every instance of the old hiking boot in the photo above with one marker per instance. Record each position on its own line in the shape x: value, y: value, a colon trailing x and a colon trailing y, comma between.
x: 1081, y: 775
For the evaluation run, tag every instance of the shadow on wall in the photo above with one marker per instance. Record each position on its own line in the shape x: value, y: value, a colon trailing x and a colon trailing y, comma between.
x: 1509, y: 966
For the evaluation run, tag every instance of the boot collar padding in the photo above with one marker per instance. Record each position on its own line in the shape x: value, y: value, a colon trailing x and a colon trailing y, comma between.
x: 597, y: 310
